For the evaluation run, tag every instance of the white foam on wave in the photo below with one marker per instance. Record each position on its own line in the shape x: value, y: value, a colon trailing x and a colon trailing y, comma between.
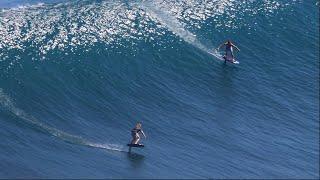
x: 67, y: 27
x: 114, y: 147
x: 196, y: 12
x: 7, y: 103
x: 72, y: 25
x: 174, y: 25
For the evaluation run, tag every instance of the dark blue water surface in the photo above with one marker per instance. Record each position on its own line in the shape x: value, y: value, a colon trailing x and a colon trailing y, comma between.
x: 75, y: 77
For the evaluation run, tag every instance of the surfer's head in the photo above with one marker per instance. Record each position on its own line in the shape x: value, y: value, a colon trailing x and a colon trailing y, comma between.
x: 229, y: 42
x: 138, y: 125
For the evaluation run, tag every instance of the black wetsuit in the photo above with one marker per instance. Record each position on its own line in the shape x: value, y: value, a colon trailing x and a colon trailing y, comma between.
x: 229, y: 49
x: 135, y: 132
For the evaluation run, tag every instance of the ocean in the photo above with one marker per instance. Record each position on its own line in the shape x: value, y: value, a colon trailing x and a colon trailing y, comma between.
x: 76, y: 76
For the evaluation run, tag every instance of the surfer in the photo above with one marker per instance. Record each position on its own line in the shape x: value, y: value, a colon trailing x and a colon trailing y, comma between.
x: 135, y: 133
x: 229, y: 49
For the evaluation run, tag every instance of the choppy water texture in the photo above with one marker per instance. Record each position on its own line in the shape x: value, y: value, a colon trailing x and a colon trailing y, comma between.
x: 75, y: 76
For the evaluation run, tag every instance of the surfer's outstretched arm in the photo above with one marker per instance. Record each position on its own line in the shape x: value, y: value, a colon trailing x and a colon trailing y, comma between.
x: 143, y: 134
x: 236, y: 47
x: 221, y: 45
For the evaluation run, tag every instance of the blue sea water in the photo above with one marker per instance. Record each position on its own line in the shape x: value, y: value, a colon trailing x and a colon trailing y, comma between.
x: 75, y: 77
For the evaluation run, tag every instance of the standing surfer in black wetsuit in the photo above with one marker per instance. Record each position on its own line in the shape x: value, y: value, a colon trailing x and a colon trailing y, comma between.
x: 229, y: 49
x: 135, y: 133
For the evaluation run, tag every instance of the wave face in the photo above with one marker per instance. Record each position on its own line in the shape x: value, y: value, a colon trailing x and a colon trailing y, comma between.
x: 75, y: 76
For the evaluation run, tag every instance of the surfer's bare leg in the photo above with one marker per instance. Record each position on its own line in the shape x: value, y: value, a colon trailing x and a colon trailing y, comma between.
x: 133, y: 139
x: 137, y: 140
